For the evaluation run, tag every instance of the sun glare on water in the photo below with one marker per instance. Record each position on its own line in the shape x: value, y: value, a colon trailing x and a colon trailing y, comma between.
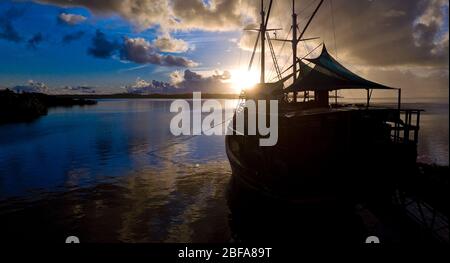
x: 243, y: 79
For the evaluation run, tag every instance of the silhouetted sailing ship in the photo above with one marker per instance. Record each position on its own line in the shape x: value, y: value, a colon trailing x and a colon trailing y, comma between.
x: 327, y: 153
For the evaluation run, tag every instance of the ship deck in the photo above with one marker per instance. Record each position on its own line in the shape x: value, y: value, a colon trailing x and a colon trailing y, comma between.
x: 405, y: 122
x: 290, y: 112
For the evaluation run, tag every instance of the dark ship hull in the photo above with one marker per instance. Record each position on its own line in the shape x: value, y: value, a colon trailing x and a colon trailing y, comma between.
x: 332, y: 161
x: 325, y: 156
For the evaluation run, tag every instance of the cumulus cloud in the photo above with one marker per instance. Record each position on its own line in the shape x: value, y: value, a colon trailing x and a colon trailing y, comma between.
x: 378, y: 33
x: 143, y: 13
x: 7, y: 29
x: 213, y: 15
x: 71, y: 19
x: 183, y: 82
x: 176, y: 77
x: 141, y: 51
x: 102, y: 47
x: 35, y: 40
x: 371, y: 35
x: 390, y: 34
x: 382, y: 32
x: 406, y: 35
x: 166, y: 43
x: 137, y: 50
x: 31, y: 87
x: 191, y: 81
x: 143, y: 87
x: 72, y: 36
x: 218, y: 15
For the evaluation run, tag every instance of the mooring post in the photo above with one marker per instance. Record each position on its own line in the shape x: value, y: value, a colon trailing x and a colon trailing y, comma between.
x: 399, y: 108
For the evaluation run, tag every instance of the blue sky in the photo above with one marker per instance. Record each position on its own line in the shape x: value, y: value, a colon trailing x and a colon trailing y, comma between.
x: 395, y: 42
x: 68, y: 64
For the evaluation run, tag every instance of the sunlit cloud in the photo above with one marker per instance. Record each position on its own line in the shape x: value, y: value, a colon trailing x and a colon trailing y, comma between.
x: 365, y: 36
x: 71, y: 19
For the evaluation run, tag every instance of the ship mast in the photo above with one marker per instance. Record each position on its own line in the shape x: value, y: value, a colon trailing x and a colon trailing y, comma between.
x: 297, y: 39
x: 262, y: 29
x: 294, y: 45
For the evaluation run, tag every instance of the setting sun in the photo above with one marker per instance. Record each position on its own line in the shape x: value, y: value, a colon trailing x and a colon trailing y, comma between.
x: 243, y: 79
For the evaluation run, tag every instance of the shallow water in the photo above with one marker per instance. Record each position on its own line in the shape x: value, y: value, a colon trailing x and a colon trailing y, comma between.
x: 114, y: 172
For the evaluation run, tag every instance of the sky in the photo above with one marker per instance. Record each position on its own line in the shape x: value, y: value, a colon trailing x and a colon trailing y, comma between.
x: 141, y: 46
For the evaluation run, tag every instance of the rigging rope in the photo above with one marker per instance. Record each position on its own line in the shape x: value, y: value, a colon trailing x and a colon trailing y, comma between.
x: 334, y: 29
x: 274, y: 57
x: 240, y: 49
x: 336, y: 93
x: 307, y: 7
x: 280, y: 25
x: 280, y: 51
x: 240, y: 101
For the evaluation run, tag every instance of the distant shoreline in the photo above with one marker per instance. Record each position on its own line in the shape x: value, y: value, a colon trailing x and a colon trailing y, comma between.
x: 149, y: 96
x: 26, y: 107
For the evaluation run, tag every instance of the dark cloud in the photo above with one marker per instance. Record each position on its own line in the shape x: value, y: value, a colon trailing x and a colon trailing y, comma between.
x: 35, y: 40
x: 7, y: 30
x: 382, y: 38
x: 72, y: 36
x: 386, y: 32
x: 192, y: 76
x: 172, y: 14
x: 141, y: 51
x: 101, y: 46
x: 376, y: 32
x: 137, y: 50
x: 216, y: 16
x: 183, y: 82
x: 174, y: 61
x: 143, y: 13
x: 403, y: 40
x: 371, y: 32
x: 191, y: 81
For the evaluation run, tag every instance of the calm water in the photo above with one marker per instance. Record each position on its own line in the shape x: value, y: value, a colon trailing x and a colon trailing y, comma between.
x: 114, y: 172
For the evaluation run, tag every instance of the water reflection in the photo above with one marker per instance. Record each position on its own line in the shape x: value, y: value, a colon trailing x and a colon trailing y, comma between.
x: 433, y: 141
x: 114, y: 173
x: 88, y: 171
